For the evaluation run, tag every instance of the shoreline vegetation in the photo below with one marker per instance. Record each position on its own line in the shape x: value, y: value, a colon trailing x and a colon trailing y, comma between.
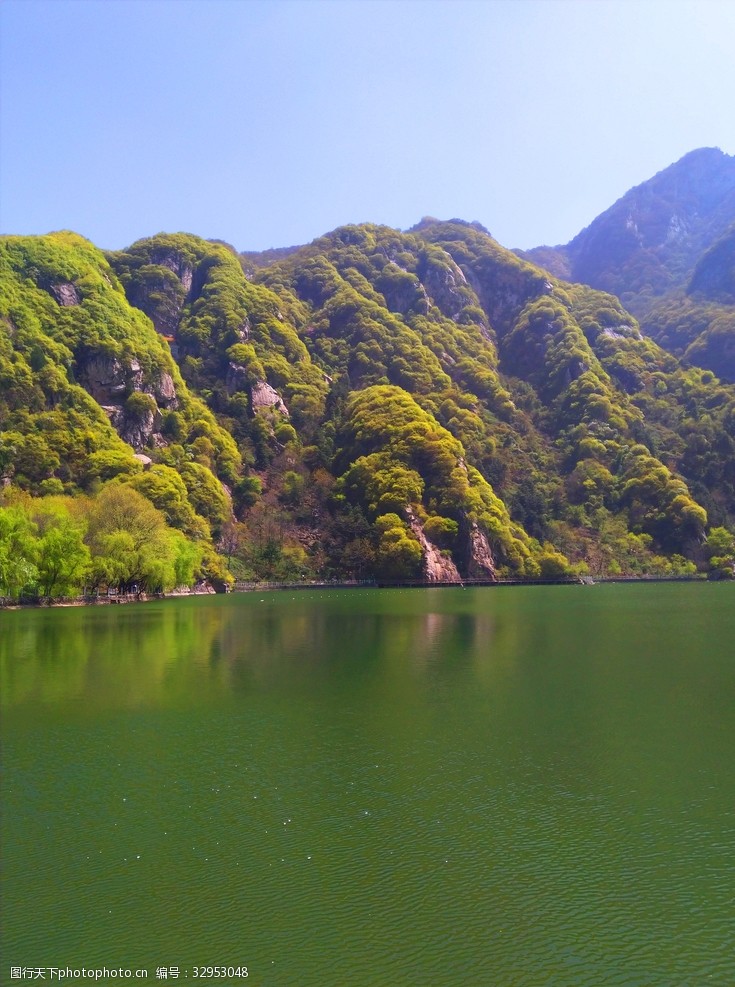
x: 107, y: 599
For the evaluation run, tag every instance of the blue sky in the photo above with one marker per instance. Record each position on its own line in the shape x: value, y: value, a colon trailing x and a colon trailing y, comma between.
x: 269, y: 122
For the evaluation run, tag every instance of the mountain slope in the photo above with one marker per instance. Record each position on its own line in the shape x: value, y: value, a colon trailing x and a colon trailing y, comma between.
x: 90, y: 393
x: 550, y: 388
x: 384, y: 404
x: 649, y: 247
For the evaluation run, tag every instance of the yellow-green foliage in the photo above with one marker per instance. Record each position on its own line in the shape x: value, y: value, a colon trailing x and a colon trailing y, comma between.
x: 404, y: 458
x: 49, y: 426
x: 398, y: 553
x: 57, y: 546
x: 387, y: 307
x: 62, y: 311
x: 49, y: 344
x: 575, y: 380
x: 658, y: 503
x: 229, y: 332
x: 431, y: 377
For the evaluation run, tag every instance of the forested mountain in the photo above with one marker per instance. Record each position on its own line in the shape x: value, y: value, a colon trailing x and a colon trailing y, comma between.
x: 90, y: 395
x: 377, y: 404
x: 666, y: 250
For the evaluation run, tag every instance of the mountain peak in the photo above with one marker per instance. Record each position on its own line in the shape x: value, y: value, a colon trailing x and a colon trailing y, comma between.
x: 652, y: 237
x: 701, y: 154
x: 656, y: 243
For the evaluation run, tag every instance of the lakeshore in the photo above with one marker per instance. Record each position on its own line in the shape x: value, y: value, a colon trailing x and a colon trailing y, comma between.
x: 116, y: 599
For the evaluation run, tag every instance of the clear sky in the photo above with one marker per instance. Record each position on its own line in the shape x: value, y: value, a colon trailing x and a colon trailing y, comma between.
x: 269, y: 122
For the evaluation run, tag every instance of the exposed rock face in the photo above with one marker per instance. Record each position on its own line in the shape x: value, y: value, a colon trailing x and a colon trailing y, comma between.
x: 138, y: 431
x: 107, y: 379
x: 170, y: 281
x: 161, y: 299
x: 116, y: 415
x: 448, y: 288
x: 175, y: 262
x: 236, y: 378
x: 481, y: 561
x: 65, y: 294
x: 164, y: 391
x: 265, y: 396
x: 110, y: 381
x: 437, y: 567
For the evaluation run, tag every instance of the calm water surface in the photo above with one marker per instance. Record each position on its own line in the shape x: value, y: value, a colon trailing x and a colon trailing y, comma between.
x: 491, y: 787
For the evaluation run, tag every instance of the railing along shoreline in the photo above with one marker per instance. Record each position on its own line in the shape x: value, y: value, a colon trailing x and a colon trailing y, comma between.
x: 106, y: 599
x: 253, y: 586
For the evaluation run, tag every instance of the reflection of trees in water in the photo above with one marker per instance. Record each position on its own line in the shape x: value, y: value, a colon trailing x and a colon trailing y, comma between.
x: 181, y: 650
x: 112, y: 656
x: 42, y: 659
x: 259, y: 641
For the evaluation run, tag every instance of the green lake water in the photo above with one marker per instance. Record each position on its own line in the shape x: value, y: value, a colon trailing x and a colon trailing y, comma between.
x: 484, y: 787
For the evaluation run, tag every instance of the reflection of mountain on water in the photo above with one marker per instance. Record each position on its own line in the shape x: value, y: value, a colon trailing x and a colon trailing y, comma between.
x: 182, y: 652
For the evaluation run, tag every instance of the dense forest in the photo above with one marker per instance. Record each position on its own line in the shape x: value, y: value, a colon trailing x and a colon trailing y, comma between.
x: 376, y: 405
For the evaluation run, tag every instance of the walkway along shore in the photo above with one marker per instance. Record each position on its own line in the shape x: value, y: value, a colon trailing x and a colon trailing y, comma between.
x: 107, y: 599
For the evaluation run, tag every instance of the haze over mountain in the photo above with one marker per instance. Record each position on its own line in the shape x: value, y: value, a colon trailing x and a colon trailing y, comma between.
x: 666, y: 250
x: 376, y: 404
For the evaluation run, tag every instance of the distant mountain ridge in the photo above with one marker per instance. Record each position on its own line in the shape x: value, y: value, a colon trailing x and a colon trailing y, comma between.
x: 654, y: 249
